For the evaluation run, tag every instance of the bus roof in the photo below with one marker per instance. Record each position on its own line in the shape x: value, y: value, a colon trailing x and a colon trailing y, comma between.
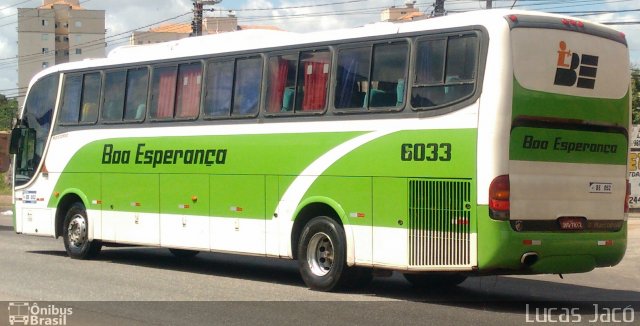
x: 262, y: 39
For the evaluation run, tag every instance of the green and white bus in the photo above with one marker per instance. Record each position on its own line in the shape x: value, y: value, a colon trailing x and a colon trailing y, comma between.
x: 490, y: 142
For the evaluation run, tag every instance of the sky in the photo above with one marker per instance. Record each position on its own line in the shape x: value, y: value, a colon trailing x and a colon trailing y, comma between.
x: 124, y: 16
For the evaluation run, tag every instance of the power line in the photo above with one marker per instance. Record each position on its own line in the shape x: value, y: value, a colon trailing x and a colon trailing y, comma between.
x: 89, y: 44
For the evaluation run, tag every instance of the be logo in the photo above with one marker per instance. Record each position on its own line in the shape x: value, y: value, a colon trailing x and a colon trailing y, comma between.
x: 569, y: 62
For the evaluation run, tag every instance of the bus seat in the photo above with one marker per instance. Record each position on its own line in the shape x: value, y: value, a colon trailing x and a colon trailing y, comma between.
x: 400, y: 92
x: 287, y: 99
x: 381, y: 98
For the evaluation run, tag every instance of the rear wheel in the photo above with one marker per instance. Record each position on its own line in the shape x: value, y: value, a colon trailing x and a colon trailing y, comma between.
x: 322, y: 254
x: 75, y: 234
x: 435, y: 280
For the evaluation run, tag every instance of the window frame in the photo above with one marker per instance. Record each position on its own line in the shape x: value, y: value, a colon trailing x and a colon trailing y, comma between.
x: 371, y: 46
x: 298, y: 53
x: 177, y: 65
x: 61, y: 111
x: 481, y: 55
x: 202, y: 64
x: 148, y: 95
x: 104, y: 92
x: 234, y: 79
x: 154, y: 69
x: 261, y: 87
x: 99, y: 101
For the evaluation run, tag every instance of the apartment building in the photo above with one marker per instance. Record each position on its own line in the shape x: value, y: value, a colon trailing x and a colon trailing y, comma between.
x: 58, y: 31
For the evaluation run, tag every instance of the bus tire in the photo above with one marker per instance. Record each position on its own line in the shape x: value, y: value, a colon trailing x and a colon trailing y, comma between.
x: 434, y: 280
x: 75, y: 234
x: 183, y: 253
x: 322, y: 254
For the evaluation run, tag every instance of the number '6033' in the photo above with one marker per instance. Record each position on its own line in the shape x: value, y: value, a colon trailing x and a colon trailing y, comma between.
x: 425, y: 152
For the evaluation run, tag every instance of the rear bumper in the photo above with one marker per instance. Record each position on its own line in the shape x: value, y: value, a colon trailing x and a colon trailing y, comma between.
x: 500, y: 248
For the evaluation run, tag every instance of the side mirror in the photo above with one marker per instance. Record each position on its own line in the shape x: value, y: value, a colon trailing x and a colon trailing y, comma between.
x: 14, y: 144
x: 22, y: 139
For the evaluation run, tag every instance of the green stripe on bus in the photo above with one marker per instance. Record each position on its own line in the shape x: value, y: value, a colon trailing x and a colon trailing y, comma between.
x: 258, y: 169
x: 541, y: 104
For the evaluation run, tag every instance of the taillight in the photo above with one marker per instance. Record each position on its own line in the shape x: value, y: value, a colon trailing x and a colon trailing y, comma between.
x: 626, y: 197
x: 499, y: 198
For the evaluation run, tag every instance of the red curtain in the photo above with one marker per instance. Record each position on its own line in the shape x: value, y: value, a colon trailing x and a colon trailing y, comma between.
x: 166, y: 93
x: 279, y: 71
x: 315, y: 86
x: 189, y: 81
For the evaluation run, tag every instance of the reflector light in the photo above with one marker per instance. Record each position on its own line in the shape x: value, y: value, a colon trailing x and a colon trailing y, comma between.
x: 605, y: 242
x: 357, y: 215
x: 513, y: 18
x: 531, y: 242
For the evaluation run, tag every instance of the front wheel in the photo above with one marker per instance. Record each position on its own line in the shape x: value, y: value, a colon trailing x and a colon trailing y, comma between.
x: 322, y: 254
x: 76, y: 234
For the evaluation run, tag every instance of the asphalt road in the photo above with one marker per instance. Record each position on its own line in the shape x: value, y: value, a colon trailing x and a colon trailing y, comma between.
x: 148, y: 286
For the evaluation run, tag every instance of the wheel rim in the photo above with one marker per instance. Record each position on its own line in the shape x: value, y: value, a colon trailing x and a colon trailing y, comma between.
x: 320, y: 254
x: 77, y: 231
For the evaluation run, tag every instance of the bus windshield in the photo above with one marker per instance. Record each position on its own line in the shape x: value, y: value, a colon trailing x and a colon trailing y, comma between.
x: 38, y: 111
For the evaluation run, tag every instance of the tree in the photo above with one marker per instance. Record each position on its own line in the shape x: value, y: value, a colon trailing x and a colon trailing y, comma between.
x: 635, y: 94
x: 8, y: 109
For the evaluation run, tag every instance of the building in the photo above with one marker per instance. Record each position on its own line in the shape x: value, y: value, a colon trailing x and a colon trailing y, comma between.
x: 172, y: 32
x: 409, y: 12
x: 58, y: 31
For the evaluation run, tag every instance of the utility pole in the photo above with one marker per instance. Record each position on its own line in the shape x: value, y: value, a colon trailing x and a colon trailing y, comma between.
x: 196, y: 23
x: 439, y: 8
x: 489, y: 4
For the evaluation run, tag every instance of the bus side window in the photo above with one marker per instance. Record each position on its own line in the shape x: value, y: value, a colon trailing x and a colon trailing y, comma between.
x: 188, y: 93
x: 388, y: 74
x: 313, y: 78
x: 113, y: 102
x: 90, y: 96
x: 246, y: 90
x: 70, y: 110
x: 136, y: 94
x: 305, y: 92
x: 445, y: 70
x: 352, y: 79
x: 282, y: 83
x: 163, y: 91
x: 219, y: 89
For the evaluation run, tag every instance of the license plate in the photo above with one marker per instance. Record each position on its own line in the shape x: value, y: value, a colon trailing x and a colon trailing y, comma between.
x: 600, y: 187
x: 572, y: 223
